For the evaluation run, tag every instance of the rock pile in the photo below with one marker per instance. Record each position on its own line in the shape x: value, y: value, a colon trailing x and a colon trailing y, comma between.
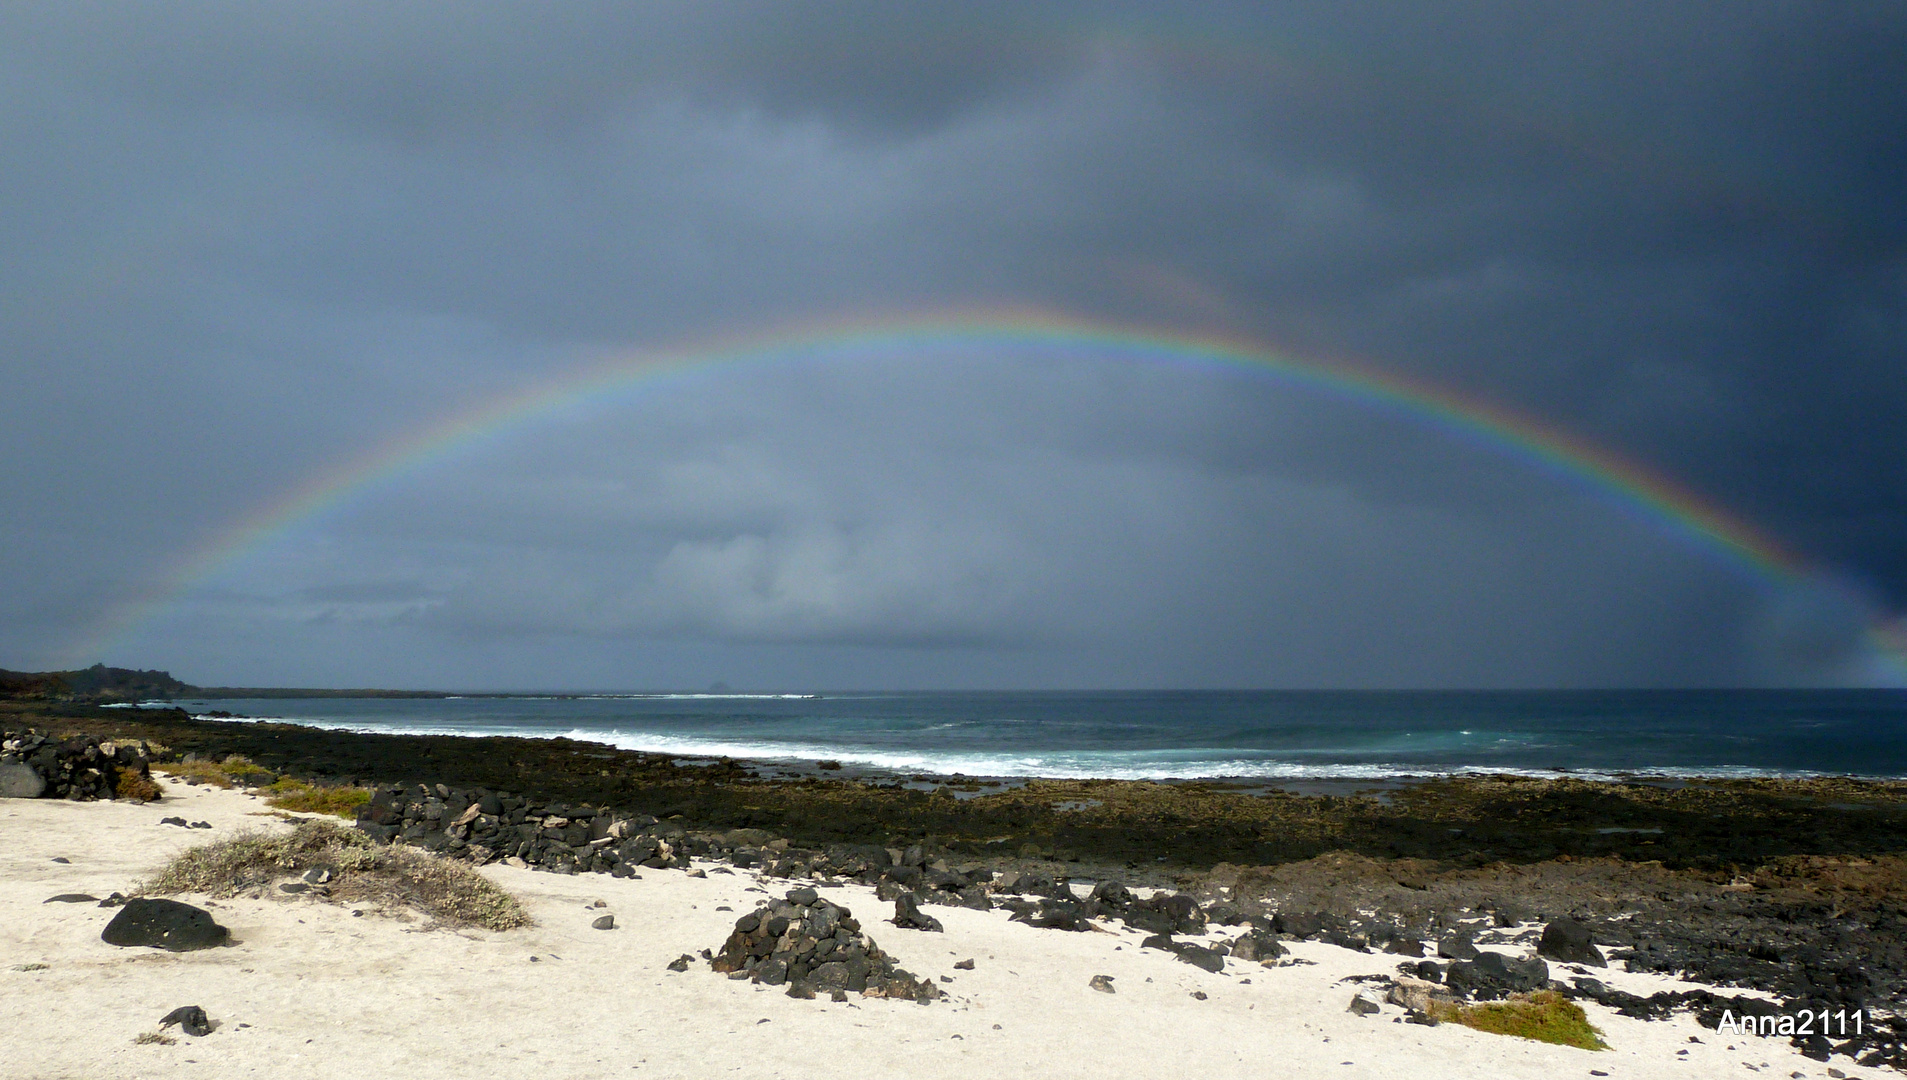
x: 814, y: 946
x: 34, y: 765
x: 484, y: 826
x: 1055, y: 906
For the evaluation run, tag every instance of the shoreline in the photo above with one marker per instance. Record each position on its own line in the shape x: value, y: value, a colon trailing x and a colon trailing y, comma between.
x: 1796, y: 888
x: 1705, y: 823
x: 310, y: 985
x: 831, y: 763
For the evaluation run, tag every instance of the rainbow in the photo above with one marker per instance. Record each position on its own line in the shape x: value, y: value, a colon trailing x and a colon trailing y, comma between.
x: 1624, y: 484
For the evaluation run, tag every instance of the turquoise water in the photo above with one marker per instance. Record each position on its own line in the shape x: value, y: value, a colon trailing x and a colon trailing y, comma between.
x: 1158, y: 735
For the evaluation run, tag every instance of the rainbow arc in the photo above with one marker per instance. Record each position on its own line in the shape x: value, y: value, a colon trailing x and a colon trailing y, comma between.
x: 1645, y: 493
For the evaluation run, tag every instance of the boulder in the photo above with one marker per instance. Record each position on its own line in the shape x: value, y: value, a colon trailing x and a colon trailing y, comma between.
x: 1505, y: 914
x: 1224, y: 915
x: 1102, y: 983
x: 19, y: 781
x: 1199, y: 956
x: 1457, y: 946
x: 1494, y: 974
x: 1362, y: 1005
x: 1404, y: 945
x: 1298, y: 924
x: 1416, y: 995
x: 1344, y: 939
x: 1259, y: 946
x: 607, y: 922
x: 1567, y: 941
x: 164, y: 924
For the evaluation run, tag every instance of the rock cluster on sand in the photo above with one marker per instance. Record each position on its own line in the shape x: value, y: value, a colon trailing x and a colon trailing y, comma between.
x: 33, y: 766
x: 815, y: 947
x: 1494, y: 975
x: 483, y: 826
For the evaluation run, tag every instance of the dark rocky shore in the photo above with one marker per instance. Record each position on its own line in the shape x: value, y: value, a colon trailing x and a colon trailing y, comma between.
x: 1794, y: 887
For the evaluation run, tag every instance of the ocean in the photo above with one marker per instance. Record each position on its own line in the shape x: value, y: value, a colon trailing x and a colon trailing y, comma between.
x: 1264, y: 735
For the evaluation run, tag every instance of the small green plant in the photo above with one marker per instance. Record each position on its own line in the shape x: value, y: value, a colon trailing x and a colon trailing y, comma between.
x: 362, y: 871
x: 287, y: 793
x: 235, y: 769
x: 244, y: 771
x: 31, y: 967
x: 207, y: 772
x: 1544, y: 1016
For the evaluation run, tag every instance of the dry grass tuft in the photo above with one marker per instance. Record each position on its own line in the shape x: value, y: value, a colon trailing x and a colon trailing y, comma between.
x: 301, y: 797
x: 450, y: 892
x: 1545, y: 1016
x: 154, y: 1038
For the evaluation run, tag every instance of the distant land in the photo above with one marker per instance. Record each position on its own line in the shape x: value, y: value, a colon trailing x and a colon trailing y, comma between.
x: 102, y: 684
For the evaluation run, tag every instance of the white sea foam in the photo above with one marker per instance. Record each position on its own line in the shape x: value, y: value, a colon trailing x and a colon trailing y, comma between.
x: 1182, y: 764
x: 700, y: 697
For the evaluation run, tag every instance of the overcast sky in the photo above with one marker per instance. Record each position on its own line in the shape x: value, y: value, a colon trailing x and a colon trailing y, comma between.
x: 247, y: 243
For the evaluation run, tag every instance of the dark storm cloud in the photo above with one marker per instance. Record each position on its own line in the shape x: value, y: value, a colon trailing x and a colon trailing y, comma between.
x: 248, y: 242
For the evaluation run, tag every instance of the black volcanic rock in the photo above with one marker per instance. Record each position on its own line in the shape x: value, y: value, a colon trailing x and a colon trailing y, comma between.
x: 190, y: 1018
x: 814, y: 948
x: 1494, y: 974
x: 1567, y: 941
x: 908, y: 916
x: 164, y: 924
x: 1457, y: 946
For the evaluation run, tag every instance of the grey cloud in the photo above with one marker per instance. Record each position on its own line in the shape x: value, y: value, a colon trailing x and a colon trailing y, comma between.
x: 250, y: 244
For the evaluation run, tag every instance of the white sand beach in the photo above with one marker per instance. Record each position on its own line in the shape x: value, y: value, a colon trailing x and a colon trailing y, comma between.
x: 308, y: 989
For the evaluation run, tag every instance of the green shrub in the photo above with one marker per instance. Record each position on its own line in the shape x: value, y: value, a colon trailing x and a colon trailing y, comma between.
x: 235, y: 769
x: 244, y: 771
x: 300, y: 797
x: 204, y: 771
x: 1544, y: 1016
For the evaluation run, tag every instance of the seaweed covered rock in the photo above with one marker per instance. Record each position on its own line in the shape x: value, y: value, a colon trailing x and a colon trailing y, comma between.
x: 814, y: 946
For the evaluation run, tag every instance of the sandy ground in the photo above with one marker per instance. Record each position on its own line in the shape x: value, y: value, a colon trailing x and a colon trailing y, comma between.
x: 309, y: 990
